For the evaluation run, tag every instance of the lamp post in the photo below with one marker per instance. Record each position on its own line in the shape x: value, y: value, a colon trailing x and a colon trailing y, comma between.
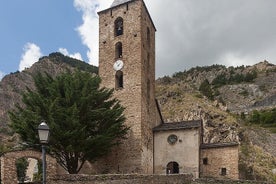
x: 43, y: 133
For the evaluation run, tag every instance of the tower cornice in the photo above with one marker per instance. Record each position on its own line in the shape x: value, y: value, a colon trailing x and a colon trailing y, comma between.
x: 118, y: 3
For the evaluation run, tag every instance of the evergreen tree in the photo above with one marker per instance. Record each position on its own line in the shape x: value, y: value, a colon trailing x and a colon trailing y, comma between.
x: 220, y: 80
x: 206, y: 90
x: 85, y: 120
x: 21, y: 167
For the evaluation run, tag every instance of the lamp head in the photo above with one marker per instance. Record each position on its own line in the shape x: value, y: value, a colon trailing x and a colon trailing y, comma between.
x: 43, y: 132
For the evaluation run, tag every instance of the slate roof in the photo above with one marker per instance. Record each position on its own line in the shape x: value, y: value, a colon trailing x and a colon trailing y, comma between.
x: 118, y: 2
x: 178, y: 125
x: 219, y: 145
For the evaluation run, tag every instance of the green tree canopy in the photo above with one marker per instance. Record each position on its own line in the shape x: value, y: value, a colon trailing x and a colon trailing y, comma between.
x: 263, y: 117
x: 85, y: 120
x: 21, y: 167
x: 206, y: 89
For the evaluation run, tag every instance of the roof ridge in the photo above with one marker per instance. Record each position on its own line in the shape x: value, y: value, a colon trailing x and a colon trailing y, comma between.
x: 118, y: 2
x: 178, y: 125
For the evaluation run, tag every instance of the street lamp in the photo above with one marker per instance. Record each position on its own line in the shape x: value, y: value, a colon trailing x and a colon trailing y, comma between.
x: 43, y: 133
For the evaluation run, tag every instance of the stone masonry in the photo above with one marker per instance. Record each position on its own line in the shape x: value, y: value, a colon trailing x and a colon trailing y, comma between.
x: 142, y: 179
x: 135, y: 155
x: 8, y: 168
x: 127, y: 33
x: 221, y: 160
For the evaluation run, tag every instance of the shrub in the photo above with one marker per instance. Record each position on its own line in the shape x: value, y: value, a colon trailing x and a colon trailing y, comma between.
x: 206, y: 90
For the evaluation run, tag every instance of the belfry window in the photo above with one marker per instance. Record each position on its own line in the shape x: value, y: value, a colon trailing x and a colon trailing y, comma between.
x: 119, y: 26
x: 119, y: 82
x: 118, y: 50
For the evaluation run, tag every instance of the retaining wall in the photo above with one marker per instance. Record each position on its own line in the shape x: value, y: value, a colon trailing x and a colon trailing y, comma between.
x: 141, y: 179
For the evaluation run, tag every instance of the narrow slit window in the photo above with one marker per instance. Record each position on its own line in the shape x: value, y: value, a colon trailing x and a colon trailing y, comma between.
x: 118, y: 50
x: 148, y: 36
x: 205, y: 161
x: 119, y: 81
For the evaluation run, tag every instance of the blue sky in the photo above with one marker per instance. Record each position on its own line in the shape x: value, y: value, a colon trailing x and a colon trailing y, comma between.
x: 31, y: 29
x: 189, y: 32
x: 47, y: 23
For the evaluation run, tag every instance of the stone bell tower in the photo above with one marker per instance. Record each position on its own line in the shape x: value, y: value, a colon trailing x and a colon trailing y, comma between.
x: 127, y: 64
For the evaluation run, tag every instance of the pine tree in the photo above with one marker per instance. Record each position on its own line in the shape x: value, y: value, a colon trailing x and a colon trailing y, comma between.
x: 85, y: 120
x: 206, y: 90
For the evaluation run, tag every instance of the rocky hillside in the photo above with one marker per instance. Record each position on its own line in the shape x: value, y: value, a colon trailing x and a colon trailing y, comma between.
x: 212, y: 93
x: 241, y: 88
x: 12, y: 85
x: 224, y: 98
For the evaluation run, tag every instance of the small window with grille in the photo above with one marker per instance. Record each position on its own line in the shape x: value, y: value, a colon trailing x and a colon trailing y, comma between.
x: 205, y: 161
x: 223, y: 171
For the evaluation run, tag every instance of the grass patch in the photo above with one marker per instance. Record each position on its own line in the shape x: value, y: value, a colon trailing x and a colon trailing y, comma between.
x: 272, y: 130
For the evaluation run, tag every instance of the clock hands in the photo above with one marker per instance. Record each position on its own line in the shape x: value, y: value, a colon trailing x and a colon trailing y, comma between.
x: 118, y: 65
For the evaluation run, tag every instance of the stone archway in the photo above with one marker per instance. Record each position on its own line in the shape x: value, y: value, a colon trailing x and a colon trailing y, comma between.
x: 8, y: 168
x: 173, y: 168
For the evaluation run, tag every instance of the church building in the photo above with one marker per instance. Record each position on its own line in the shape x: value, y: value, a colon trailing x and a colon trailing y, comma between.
x: 127, y: 64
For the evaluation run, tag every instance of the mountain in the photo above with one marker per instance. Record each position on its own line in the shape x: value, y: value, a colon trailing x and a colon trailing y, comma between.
x: 226, y: 98
x: 223, y: 97
x: 12, y: 85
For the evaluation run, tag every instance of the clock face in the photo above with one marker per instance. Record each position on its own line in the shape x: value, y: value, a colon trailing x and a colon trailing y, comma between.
x: 118, y: 65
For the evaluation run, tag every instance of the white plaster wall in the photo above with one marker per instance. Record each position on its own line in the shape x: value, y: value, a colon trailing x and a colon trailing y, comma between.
x: 185, y: 151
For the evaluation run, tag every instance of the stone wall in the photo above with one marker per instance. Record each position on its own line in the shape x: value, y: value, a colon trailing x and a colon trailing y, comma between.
x: 121, y: 179
x: 149, y: 109
x: 213, y: 181
x: 220, y: 161
x: 142, y: 179
x: 135, y: 155
x: 8, y: 167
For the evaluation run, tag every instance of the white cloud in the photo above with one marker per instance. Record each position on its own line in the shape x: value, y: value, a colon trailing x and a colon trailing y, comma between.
x: 89, y: 29
x: 204, y: 33
x: 224, y: 32
x: 65, y: 52
x: 235, y: 59
x: 2, y: 74
x: 31, y: 55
